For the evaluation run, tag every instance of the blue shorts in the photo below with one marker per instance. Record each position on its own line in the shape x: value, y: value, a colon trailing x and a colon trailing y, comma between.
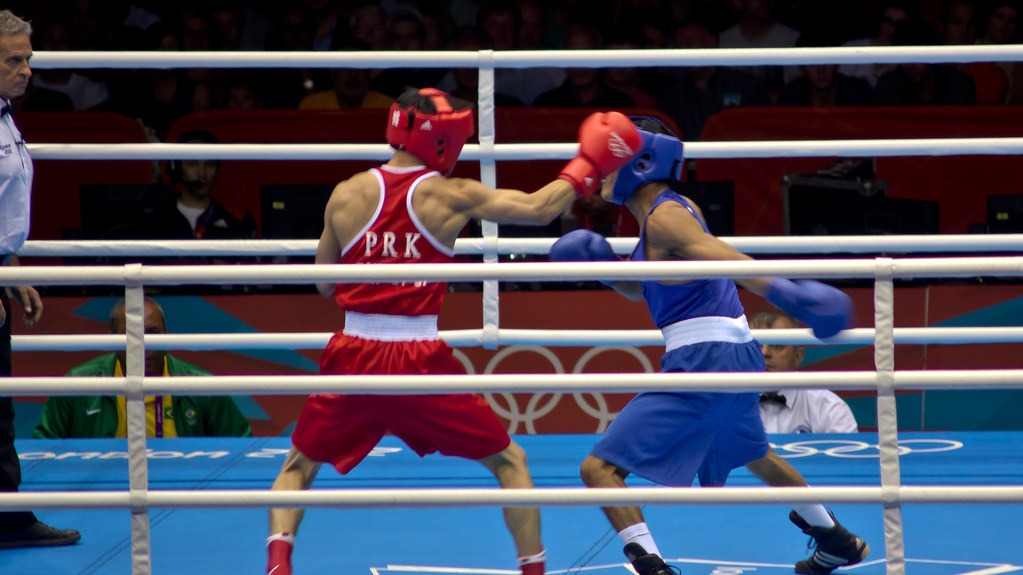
x: 670, y: 438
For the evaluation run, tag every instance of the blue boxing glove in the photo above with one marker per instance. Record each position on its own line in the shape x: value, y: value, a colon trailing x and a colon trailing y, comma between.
x: 582, y: 246
x: 825, y: 309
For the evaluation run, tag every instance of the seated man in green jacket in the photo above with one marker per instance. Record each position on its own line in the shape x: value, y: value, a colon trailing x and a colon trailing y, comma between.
x: 166, y: 416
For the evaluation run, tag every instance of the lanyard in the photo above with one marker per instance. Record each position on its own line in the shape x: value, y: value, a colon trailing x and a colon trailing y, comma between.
x: 203, y: 221
x: 158, y: 416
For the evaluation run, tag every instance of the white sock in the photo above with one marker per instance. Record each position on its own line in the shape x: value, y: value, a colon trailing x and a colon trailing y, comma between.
x: 530, y: 559
x: 815, y: 514
x: 639, y: 533
x: 283, y: 536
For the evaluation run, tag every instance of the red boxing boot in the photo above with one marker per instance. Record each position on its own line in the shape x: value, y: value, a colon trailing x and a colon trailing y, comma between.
x: 534, y: 564
x: 279, y: 549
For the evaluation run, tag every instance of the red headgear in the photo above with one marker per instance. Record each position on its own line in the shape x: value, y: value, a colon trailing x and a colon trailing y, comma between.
x: 435, y: 138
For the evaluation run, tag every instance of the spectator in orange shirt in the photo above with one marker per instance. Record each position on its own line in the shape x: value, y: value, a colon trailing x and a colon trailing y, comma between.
x: 351, y: 86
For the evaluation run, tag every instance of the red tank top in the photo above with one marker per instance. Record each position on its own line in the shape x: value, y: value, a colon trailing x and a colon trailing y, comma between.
x: 395, y: 235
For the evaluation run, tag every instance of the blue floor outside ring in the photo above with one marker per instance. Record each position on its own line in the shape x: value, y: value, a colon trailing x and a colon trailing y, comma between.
x: 940, y: 539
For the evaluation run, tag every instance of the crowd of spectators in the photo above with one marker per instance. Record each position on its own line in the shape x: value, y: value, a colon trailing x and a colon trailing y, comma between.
x: 688, y: 95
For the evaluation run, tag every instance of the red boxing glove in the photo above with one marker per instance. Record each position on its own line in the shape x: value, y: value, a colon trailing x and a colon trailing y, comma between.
x: 607, y: 141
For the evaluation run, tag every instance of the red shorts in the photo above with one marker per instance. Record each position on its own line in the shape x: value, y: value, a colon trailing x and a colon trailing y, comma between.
x: 343, y: 429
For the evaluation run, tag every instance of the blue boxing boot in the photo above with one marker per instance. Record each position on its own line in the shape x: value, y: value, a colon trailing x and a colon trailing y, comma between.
x: 834, y: 547
x: 648, y: 563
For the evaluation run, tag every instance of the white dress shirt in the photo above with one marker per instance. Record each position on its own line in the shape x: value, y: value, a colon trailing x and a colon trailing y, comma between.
x: 807, y: 411
x: 15, y: 184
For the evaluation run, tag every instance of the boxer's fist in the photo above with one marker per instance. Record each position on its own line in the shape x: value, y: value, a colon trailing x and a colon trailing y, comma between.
x: 825, y: 309
x: 607, y: 141
x: 582, y: 246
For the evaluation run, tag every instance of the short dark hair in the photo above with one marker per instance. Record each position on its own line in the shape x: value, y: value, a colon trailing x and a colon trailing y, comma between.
x: 197, y: 137
x: 471, y: 33
x: 914, y: 32
x: 411, y: 98
x: 491, y: 6
x: 584, y: 28
x: 404, y: 14
x: 818, y: 39
x: 346, y: 41
x: 190, y: 137
x: 910, y: 7
x: 654, y: 126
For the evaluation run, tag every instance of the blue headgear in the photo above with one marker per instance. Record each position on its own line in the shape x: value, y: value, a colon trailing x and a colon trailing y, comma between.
x: 660, y: 159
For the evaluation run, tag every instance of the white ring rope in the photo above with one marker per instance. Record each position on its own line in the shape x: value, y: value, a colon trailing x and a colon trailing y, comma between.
x: 533, y: 246
x: 497, y: 383
x: 533, y: 151
x: 507, y: 337
x: 531, y: 58
x: 547, y: 497
x: 905, y: 268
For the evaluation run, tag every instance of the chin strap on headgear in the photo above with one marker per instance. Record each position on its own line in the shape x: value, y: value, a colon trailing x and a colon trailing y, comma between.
x: 659, y: 159
x: 436, y: 137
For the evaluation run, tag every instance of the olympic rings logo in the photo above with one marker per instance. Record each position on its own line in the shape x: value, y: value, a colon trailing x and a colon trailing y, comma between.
x: 851, y: 449
x: 523, y: 419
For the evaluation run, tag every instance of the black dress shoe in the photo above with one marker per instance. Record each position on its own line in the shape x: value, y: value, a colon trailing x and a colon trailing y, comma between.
x: 39, y: 534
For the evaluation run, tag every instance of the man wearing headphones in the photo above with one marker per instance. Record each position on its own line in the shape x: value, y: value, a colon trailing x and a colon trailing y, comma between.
x: 199, y: 215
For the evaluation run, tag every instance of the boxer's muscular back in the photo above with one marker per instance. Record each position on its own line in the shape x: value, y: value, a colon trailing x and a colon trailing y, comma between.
x: 386, y: 232
x: 435, y: 203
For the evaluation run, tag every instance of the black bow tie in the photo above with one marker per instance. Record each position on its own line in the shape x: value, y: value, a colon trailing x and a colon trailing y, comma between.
x: 773, y: 396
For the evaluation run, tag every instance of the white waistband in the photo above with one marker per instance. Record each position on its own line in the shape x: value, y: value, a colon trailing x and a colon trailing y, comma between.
x: 704, y: 329
x: 390, y: 327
